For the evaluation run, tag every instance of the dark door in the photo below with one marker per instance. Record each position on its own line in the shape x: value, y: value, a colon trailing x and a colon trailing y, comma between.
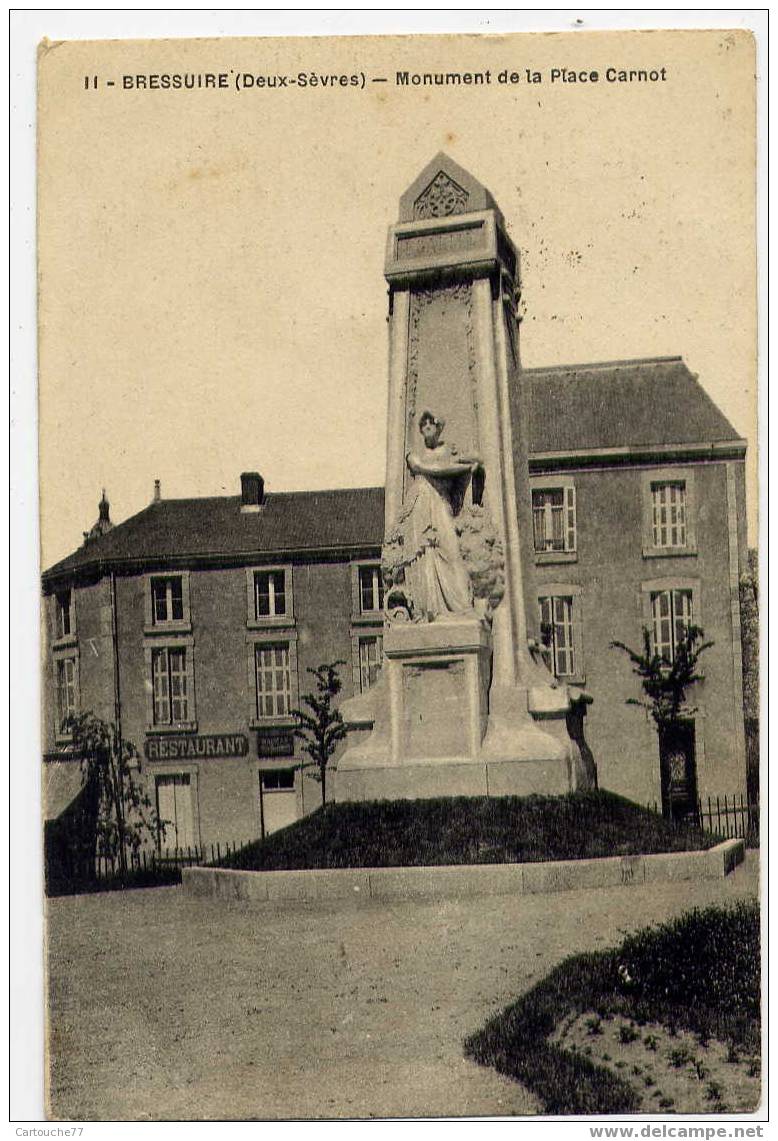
x: 679, y: 771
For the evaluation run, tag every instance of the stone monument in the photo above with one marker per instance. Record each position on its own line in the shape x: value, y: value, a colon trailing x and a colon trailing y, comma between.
x: 465, y: 704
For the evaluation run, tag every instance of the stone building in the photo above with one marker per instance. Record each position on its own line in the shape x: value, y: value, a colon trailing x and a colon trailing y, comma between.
x: 194, y: 622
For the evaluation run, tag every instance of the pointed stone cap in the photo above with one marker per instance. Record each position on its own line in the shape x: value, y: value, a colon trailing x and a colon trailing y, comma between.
x: 442, y: 189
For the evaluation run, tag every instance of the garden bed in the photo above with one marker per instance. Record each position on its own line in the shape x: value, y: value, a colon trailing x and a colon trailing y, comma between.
x: 667, y: 1022
x: 468, y: 830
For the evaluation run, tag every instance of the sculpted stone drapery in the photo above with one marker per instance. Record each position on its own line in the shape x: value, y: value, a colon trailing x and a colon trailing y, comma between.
x: 442, y: 555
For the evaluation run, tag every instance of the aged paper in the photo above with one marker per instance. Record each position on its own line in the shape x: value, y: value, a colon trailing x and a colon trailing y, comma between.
x: 212, y: 220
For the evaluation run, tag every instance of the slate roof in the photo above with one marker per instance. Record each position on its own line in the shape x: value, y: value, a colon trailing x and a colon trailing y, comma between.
x: 621, y: 403
x: 638, y: 403
x: 216, y: 527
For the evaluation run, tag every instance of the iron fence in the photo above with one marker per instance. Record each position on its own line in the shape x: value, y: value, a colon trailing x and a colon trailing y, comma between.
x: 73, y: 872
x: 730, y: 817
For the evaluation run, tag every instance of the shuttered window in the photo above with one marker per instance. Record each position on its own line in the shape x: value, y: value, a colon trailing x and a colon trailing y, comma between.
x: 553, y: 518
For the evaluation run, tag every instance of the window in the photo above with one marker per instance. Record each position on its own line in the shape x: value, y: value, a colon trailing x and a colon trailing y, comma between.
x: 668, y: 514
x: 167, y: 600
x: 277, y: 780
x: 170, y: 686
x: 269, y: 594
x: 557, y: 634
x: 65, y: 627
x: 367, y: 624
x: 174, y: 809
x: 371, y: 655
x: 269, y: 599
x: 67, y: 704
x: 274, y: 680
x: 553, y: 519
x: 371, y: 590
x: 167, y: 604
x: 671, y: 615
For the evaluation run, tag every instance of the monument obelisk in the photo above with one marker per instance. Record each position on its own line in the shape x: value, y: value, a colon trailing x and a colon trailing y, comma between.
x: 465, y: 704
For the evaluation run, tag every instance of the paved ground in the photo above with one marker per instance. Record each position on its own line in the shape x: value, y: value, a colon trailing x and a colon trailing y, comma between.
x: 167, y: 1007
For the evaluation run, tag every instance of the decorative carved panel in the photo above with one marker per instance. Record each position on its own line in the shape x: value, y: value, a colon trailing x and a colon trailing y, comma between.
x: 442, y: 197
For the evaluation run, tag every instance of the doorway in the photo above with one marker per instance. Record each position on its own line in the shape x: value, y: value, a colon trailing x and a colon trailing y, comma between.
x: 277, y: 800
x: 679, y: 770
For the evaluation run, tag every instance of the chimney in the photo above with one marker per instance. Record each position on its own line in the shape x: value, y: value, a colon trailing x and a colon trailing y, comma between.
x: 252, y: 491
x: 157, y: 491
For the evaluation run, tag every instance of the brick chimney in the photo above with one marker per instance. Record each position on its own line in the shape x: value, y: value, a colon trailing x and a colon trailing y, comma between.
x: 157, y: 491
x: 252, y: 491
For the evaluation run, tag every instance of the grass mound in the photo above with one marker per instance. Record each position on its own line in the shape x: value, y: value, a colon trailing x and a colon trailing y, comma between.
x: 698, y: 973
x: 468, y: 830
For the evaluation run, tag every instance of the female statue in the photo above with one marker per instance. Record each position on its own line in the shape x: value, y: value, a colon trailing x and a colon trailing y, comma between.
x: 436, y: 578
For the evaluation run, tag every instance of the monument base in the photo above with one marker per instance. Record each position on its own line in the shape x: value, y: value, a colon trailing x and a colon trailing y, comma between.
x: 438, y: 731
x: 420, y: 781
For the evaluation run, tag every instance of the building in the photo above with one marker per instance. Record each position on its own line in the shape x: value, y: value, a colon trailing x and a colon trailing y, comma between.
x: 195, y: 621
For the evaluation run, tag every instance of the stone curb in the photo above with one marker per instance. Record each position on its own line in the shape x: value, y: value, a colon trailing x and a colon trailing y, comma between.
x: 461, y: 881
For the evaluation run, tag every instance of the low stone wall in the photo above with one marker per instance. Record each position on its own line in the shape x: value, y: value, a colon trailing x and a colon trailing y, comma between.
x: 464, y: 880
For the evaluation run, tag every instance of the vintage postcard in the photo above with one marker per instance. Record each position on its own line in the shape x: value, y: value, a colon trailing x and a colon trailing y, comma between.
x: 398, y: 505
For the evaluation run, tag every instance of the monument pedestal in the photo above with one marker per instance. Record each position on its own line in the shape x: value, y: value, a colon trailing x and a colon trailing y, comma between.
x: 435, y: 733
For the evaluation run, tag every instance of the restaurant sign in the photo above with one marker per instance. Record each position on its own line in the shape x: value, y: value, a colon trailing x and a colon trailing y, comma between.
x: 196, y: 747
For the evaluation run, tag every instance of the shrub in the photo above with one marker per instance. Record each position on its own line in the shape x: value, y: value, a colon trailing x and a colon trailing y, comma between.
x: 708, y: 957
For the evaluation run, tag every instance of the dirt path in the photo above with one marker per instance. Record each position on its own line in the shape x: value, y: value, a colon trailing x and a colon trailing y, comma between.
x: 167, y: 1007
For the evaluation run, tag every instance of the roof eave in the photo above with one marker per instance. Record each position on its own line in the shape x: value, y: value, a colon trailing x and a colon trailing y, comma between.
x: 639, y: 453
x: 200, y: 559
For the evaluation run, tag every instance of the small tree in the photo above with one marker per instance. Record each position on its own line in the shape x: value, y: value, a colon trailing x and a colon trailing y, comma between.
x: 322, y: 726
x: 124, y: 815
x: 665, y: 682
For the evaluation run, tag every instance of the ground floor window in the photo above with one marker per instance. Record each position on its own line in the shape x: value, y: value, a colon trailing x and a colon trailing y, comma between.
x: 175, y: 811
x: 557, y: 633
x: 279, y: 780
x: 371, y: 656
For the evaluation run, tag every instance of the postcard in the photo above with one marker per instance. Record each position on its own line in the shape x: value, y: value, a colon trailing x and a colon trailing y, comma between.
x: 398, y: 508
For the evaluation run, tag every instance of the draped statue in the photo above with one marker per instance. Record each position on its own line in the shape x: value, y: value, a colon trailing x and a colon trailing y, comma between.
x: 424, y: 568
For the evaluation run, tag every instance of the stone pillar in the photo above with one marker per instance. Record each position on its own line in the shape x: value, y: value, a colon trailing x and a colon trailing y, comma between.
x: 470, y: 685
